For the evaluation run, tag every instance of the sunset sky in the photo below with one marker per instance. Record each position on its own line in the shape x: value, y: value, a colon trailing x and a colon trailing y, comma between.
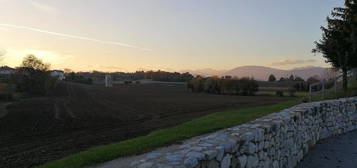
x: 129, y: 35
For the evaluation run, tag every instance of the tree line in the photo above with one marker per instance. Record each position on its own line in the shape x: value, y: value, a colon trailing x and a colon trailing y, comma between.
x: 224, y: 85
x: 159, y: 75
x: 299, y: 84
x: 272, y: 78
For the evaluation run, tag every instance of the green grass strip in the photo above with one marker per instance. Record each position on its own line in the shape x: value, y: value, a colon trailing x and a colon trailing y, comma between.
x: 206, y: 124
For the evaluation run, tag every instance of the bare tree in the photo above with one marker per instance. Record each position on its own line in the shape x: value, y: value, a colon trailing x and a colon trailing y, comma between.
x: 31, y: 62
x: 33, y: 76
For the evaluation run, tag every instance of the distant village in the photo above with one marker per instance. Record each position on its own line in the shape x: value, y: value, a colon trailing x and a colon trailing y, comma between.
x: 6, y: 71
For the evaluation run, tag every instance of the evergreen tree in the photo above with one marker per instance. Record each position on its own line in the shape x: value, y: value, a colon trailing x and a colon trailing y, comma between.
x: 272, y: 78
x: 281, y: 79
x: 299, y: 79
x: 339, y: 39
x: 291, y: 78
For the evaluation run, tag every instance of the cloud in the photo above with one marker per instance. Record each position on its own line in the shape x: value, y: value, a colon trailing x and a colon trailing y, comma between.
x: 292, y: 62
x: 43, y: 7
x: 73, y: 36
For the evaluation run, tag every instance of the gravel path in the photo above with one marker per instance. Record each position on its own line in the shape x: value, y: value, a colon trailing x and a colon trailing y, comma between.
x: 337, y: 152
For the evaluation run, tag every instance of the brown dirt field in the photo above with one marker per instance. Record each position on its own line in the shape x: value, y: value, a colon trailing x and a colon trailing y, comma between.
x: 79, y: 116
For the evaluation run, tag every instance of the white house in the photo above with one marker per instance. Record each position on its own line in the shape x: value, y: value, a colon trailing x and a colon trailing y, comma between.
x: 108, y: 81
x: 59, y: 74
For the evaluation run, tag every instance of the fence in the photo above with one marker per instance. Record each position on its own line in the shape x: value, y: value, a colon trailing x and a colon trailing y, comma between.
x: 322, y: 87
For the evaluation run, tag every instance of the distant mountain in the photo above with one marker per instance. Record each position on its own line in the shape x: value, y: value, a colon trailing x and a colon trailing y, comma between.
x: 205, y: 72
x: 307, y: 72
x: 262, y: 73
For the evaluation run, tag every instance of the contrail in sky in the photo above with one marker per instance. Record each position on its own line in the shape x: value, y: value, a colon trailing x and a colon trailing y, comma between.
x: 73, y: 36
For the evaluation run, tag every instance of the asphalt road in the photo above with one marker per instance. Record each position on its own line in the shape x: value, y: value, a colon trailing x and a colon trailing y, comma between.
x: 336, y: 152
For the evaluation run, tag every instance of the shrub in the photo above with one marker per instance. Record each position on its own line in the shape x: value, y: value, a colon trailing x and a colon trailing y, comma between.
x: 6, y: 92
x: 272, y: 78
x: 33, y: 77
x: 128, y: 82
x: 212, y: 85
x: 292, y: 91
x: 248, y: 86
x: 197, y: 84
x: 35, y: 82
x: 236, y: 86
x: 225, y: 85
x: 279, y: 93
x: 228, y: 85
x: 73, y: 77
x: 301, y: 86
x: 6, y: 96
x: 190, y: 86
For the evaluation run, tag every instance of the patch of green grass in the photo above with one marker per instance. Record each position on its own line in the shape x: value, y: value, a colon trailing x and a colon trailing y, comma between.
x: 207, y: 124
x: 351, y: 91
x: 286, y: 94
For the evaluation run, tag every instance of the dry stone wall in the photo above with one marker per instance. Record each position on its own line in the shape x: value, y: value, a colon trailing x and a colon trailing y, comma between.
x: 279, y: 140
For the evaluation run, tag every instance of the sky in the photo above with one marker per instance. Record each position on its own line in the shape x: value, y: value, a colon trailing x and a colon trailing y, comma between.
x: 172, y: 35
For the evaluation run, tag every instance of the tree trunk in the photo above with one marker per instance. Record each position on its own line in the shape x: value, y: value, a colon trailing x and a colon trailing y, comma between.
x: 344, y: 76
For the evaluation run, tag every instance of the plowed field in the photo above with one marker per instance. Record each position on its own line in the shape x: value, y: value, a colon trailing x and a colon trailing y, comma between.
x: 77, y: 117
